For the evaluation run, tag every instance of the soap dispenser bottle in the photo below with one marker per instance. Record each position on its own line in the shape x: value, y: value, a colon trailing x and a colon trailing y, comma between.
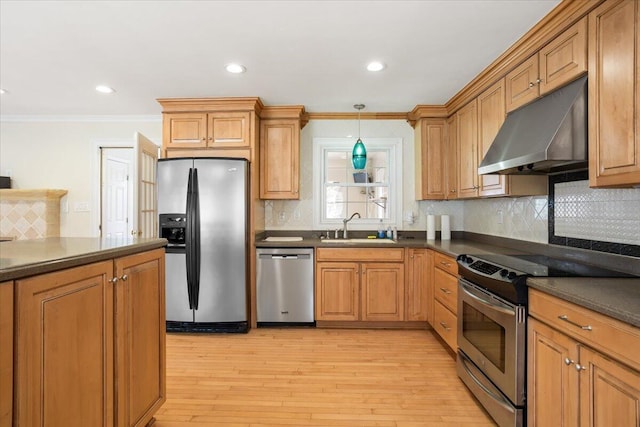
x: 381, y: 233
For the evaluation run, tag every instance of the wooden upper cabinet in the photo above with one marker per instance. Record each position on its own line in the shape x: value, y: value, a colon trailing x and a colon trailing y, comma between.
x: 491, y: 115
x: 280, y: 152
x: 562, y: 60
x: 522, y: 84
x: 228, y: 130
x: 467, y: 118
x: 614, y: 94
x: 430, y: 158
x: 207, y: 130
x: 451, y: 164
x: 185, y: 130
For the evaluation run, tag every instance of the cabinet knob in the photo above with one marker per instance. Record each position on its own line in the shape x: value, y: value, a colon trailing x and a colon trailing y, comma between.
x: 124, y: 277
x: 580, y: 367
x: 568, y: 361
x: 539, y: 81
x: 114, y: 280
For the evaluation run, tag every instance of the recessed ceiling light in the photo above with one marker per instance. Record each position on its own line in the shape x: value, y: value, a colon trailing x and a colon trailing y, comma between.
x: 376, y: 66
x: 105, y: 89
x: 2, y: 91
x: 235, y: 68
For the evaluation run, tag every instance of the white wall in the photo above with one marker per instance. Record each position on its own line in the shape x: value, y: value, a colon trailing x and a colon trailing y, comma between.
x: 59, y: 154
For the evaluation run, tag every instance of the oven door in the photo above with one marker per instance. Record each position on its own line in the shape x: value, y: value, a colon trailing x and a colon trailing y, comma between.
x: 491, y: 333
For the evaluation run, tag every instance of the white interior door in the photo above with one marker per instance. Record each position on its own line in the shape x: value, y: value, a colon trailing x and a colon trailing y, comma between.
x: 145, y: 200
x: 115, y: 193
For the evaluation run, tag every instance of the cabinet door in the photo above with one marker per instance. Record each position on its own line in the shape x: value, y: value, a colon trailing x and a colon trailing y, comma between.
x: 382, y: 292
x: 614, y: 94
x: 64, y: 348
x: 430, y: 159
x: 522, y: 84
x: 416, y: 301
x: 140, y: 337
x: 565, y: 58
x: 452, y: 158
x: 552, y: 380
x: 279, y: 159
x: 184, y: 130
x: 337, y: 291
x: 6, y: 355
x: 491, y: 115
x: 609, y: 392
x: 229, y: 130
x: 468, y: 150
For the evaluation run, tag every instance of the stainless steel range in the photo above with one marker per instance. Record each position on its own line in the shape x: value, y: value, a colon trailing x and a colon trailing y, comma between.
x: 492, y: 313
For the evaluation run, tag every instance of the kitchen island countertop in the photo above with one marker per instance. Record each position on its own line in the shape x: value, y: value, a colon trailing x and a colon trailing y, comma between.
x: 23, y: 258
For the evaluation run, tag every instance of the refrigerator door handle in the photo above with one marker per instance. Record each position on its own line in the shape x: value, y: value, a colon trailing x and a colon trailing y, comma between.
x: 196, y: 239
x: 189, y: 238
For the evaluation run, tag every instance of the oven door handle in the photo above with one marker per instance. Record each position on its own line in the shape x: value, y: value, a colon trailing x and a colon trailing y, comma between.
x: 498, y: 398
x: 481, y: 297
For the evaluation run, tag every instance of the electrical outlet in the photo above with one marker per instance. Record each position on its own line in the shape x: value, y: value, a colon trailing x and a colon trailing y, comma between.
x: 500, y: 217
x: 296, y: 214
x: 81, y: 207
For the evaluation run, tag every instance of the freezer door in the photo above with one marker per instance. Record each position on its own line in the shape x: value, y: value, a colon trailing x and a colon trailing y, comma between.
x: 177, y: 296
x: 173, y: 175
x: 223, y: 240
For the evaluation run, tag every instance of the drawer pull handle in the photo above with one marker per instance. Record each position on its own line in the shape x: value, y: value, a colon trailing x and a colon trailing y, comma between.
x: 446, y: 291
x: 446, y: 264
x: 571, y: 322
x: 444, y: 325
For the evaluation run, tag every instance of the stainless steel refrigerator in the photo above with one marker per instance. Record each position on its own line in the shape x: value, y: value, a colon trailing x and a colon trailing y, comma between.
x: 202, y: 204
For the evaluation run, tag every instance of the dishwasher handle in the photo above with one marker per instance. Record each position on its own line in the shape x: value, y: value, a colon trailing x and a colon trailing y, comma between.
x: 285, y: 256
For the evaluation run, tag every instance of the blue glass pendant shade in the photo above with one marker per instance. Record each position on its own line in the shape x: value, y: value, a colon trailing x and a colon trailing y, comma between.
x: 359, y: 155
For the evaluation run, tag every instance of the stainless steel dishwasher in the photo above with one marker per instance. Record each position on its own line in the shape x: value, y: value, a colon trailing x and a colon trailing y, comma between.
x: 284, y: 282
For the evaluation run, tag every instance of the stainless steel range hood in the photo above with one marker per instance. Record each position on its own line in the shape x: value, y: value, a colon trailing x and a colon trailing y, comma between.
x: 545, y: 137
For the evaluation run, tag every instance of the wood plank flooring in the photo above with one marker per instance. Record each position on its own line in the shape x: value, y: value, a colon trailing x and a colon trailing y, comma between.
x: 315, y: 377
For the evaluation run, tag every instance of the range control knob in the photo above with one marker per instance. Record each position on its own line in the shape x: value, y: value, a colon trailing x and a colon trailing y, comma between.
x: 503, y: 272
x: 469, y: 260
x: 511, y: 275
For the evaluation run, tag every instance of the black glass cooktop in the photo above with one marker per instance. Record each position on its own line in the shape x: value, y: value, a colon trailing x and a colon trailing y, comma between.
x: 544, y: 266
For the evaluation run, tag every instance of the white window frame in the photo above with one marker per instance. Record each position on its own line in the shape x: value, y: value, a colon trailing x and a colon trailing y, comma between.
x: 394, y: 203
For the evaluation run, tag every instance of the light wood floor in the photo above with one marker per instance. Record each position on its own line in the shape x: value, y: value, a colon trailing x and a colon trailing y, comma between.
x: 315, y: 377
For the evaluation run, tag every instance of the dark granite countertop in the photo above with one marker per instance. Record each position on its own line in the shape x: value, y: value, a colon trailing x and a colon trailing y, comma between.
x: 23, y: 258
x: 616, y: 298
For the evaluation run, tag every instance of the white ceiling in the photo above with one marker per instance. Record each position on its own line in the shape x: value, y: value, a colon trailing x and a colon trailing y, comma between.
x: 314, y: 53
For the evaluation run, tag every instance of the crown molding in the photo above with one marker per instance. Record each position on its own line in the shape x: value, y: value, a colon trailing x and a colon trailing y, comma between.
x: 80, y: 118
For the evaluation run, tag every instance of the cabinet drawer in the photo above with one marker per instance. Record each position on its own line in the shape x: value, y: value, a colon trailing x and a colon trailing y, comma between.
x: 446, y: 289
x: 603, y: 333
x: 360, y: 254
x: 445, y: 263
x: 445, y: 324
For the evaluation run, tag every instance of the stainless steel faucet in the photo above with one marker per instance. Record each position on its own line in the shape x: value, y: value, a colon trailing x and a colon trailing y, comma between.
x: 345, y: 221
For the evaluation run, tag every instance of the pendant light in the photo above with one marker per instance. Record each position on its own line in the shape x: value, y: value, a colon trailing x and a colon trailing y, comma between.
x: 359, y: 154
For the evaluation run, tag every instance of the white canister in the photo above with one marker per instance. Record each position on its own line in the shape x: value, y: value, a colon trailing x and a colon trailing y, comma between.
x: 431, y: 227
x: 445, y: 227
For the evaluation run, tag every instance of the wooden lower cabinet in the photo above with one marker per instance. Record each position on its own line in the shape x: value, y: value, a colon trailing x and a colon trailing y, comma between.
x: 445, y: 298
x: 418, y: 284
x: 360, y: 284
x: 574, y: 379
x: 89, y: 349
x: 337, y: 286
x: 140, y: 337
x: 6, y: 353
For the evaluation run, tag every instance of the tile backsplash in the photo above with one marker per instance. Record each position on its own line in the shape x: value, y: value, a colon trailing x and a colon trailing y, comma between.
x: 606, y: 215
x: 522, y: 218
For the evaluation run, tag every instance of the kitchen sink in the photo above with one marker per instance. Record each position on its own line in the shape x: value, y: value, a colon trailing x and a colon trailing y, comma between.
x: 359, y: 241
